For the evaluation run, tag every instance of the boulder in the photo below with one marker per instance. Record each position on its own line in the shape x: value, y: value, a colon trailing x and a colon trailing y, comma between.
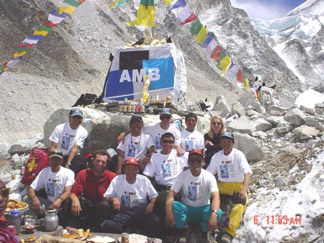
x: 284, y: 127
x: 251, y: 113
x: 221, y: 106
x: 295, y: 117
x: 249, y: 100
x: 311, y: 121
x: 262, y: 125
x: 249, y: 146
x: 242, y: 125
x: 274, y: 120
x: 238, y: 109
x: 305, y: 132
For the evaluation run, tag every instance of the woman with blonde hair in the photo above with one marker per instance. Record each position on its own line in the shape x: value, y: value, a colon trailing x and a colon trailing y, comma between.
x: 212, y: 138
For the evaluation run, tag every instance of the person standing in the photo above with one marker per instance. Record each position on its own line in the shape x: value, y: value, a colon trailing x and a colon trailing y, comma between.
x: 190, y: 137
x: 233, y: 177
x: 212, y: 138
x: 69, y: 137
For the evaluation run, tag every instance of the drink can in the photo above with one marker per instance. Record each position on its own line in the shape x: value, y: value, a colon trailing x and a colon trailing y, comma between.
x: 124, y: 238
x: 12, y: 229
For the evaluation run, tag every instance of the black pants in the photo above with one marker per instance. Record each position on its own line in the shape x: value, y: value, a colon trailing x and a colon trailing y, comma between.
x: 134, y: 217
x: 90, y: 217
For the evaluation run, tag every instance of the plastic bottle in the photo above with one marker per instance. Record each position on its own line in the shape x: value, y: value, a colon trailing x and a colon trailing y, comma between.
x: 15, y: 219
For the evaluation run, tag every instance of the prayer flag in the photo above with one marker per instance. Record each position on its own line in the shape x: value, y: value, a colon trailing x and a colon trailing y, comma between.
x: 239, y: 76
x: 13, y: 61
x: 216, y: 53
x: 200, y: 38
x: 145, y: 14
x: 231, y: 71
x: 246, y: 84
x: 1, y: 72
x: 49, y: 24
x: 43, y: 28
x: 224, y: 64
x: 26, y: 45
x: 23, y: 49
x: 73, y: 3
x: 206, y: 41
x: 195, y: 28
x: 56, y: 18
x: 43, y: 33
x: 32, y: 39
x: 184, y: 15
x: 178, y: 4
x: 3, y: 68
x: 68, y: 10
x: 168, y: 2
x: 19, y: 54
x: 221, y: 57
x: 210, y: 48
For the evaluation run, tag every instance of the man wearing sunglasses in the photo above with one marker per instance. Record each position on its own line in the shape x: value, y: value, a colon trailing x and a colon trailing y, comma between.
x: 165, y: 166
x: 196, y: 186
x: 233, y: 177
x: 69, y: 137
x: 5, y: 235
x: 57, y: 182
x: 156, y: 131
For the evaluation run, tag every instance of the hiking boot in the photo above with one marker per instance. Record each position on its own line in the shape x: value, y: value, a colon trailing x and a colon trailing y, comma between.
x: 226, y: 238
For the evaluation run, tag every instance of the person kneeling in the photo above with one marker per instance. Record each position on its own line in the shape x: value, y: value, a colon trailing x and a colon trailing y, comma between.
x: 128, y: 195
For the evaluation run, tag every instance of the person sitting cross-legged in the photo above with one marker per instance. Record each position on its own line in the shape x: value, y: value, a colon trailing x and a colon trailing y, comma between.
x: 128, y: 194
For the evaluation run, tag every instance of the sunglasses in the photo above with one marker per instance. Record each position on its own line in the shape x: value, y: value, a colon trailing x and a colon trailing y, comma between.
x: 217, y: 123
x: 165, y: 117
x: 167, y: 141
x: 4, y: 192
x: 193, y: 160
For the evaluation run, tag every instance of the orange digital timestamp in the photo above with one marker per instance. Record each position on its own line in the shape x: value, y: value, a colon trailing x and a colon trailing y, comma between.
x: 279, y: 220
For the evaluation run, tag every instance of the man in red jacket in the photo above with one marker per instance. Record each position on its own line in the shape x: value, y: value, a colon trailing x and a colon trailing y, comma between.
x: 88, y: 209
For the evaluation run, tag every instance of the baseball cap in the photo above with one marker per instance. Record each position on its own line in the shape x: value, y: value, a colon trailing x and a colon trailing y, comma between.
x: 76, y: 112
x: 136, y: 118
x: 56, y: 153
x: 131, y: 161
x: 228, y: 135
x: 196, y: 151
x: 165, y: 111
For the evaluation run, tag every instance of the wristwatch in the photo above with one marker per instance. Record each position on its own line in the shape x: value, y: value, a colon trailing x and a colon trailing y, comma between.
x: 215, y: 211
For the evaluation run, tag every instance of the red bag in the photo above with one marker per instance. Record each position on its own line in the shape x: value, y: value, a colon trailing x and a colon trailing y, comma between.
x: 38, y: 160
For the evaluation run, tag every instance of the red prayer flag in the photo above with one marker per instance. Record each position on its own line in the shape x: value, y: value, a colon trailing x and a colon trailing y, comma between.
x: 216, y: 53
x: 49, y: 24
x: 191, y: 18
x: 26, y: 45
x: 240, y: 76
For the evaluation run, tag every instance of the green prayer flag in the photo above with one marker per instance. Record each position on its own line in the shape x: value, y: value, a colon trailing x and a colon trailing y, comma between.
x: 195, y: 28
x: 147, y: 2
x: 73, y: 3
x: 43, y: 28
x: 23, y: 49
x: 222, y: 55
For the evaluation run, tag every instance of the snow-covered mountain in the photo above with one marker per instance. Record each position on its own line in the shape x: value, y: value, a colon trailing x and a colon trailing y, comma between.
x: 298, y: 40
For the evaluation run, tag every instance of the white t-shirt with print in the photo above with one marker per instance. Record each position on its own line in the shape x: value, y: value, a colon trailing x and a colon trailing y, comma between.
x: 165, y: 168
x: 131, y: 194
x: 195, y: 190
x: 192, y: 140
x: 229, y: 168
x: 54, y: 183
x: 135, y: 147
x: 156, y: 132
x: 66, y: 137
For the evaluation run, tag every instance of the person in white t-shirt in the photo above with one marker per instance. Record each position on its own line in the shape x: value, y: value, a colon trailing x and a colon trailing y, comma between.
x: 69, y: 138
x: 196, y: 186
x: 233, y: 177
x: 135, y: 145
x: 57, y: 182
x: 156, y: 131
x: 128, y: 194
x: 164, y: 168
x: 191, y: 138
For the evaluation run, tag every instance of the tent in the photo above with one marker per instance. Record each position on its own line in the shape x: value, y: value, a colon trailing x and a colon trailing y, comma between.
x: 163, y: 63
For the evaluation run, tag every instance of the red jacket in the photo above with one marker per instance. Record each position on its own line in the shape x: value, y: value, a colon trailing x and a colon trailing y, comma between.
x: 5, y: 235
x: 93, y: 188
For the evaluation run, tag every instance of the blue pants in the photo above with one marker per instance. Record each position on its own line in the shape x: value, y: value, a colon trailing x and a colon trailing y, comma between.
x: 200, y: 215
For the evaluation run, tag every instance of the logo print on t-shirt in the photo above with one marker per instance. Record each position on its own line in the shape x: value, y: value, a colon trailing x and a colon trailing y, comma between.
x: 157, y: 142
x: 189, y: 145
x: 131, y: 150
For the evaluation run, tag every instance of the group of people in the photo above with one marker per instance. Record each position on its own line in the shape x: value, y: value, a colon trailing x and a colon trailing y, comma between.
x: 163, y: 178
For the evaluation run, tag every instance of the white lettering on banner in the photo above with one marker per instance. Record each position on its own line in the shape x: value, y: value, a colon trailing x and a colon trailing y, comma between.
x: 154, y: 74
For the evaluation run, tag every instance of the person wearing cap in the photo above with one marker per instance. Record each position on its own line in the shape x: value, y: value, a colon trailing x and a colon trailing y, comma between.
x: 6, y: 235
x: 57, y: 182
x: 190, y: 137
x: 164, y: 167
x: 132, y: 197
x: 197, y: 187
x: 135, y: 145
x: 69, y: 137
x: 87, y: 208
x: 233, y: 176
x: 156, y: 131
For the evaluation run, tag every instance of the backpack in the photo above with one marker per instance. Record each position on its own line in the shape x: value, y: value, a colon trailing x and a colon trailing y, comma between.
x: 38, y: 160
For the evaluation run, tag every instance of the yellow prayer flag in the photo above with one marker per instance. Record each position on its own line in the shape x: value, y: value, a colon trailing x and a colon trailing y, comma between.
x: 18, y: 54
x: 145, y: 16
x: 224, y: 64
x: 42, y: 32
x: 68, y: 10
x: 4, y: 69
x: 113, y: 3
x: 246, y: 84
x: 201, y: 36
x: 168, y: 2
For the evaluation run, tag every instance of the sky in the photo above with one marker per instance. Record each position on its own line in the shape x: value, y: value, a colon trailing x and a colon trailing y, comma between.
x: 266, y: 9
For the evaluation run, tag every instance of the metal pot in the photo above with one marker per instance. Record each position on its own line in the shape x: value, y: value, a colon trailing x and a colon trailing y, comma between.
x: 51, y: 220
